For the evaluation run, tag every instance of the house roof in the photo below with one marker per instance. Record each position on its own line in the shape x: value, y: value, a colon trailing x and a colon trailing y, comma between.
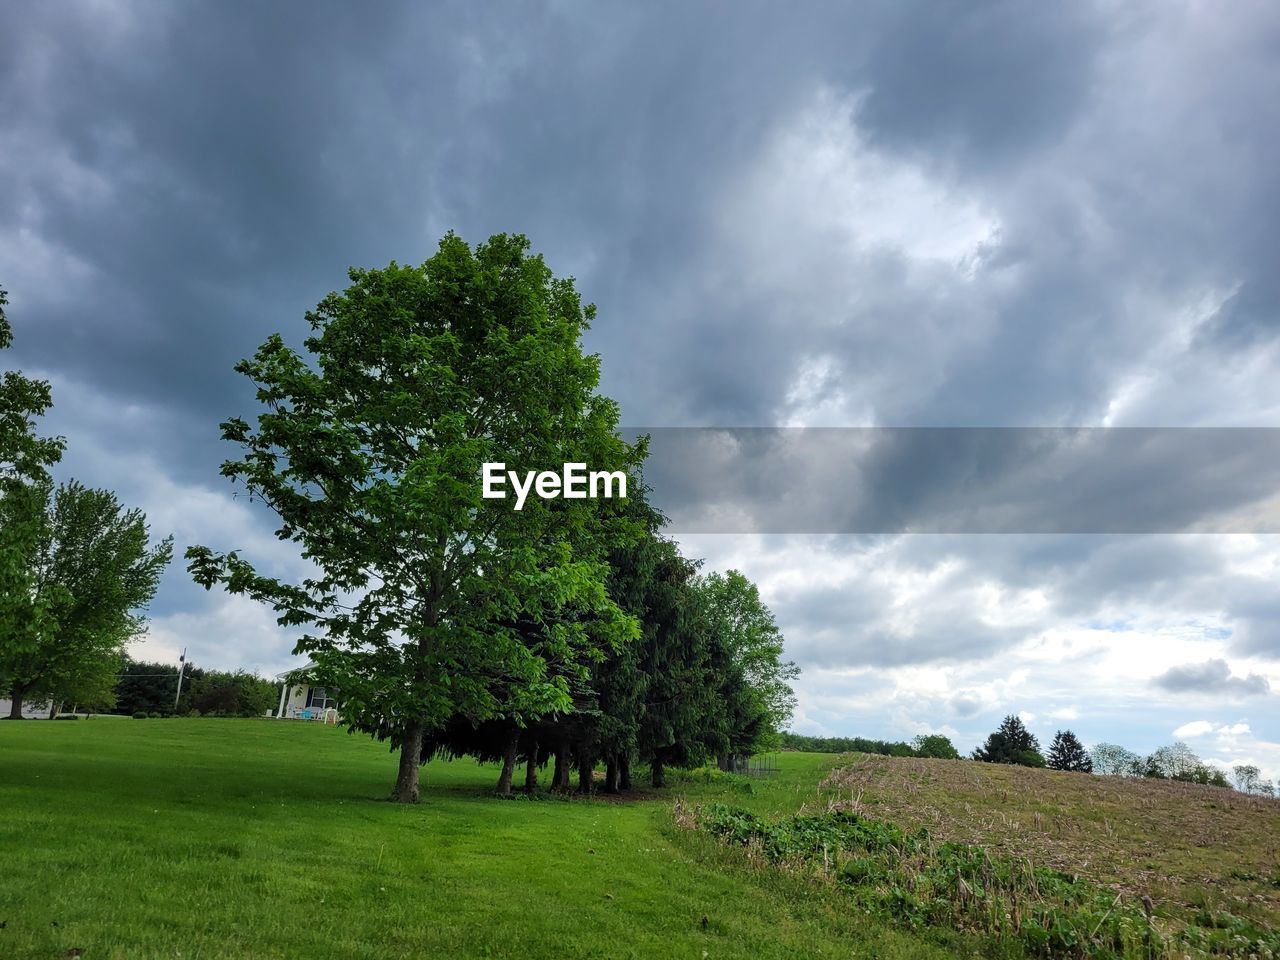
x: 296, y: 670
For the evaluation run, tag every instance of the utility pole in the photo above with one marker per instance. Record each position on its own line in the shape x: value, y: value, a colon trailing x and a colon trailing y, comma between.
x: 182, y: 665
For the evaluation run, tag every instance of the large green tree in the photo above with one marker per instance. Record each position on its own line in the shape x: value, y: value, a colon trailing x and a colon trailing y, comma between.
x: 369, y: 451
x: 92, y: 570
x: 25, y: 458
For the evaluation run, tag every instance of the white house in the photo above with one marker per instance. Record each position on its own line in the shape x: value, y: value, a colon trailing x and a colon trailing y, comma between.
x: 301, y: 700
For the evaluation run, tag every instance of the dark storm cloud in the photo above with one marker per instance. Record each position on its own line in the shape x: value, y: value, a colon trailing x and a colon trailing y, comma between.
x: 1211, y: 677
x: 974, y: 215
x: 965, y: 480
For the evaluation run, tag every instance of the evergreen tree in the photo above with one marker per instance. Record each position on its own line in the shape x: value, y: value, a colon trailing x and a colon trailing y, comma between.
x: 1011, y: 743
x: 1068, y: 753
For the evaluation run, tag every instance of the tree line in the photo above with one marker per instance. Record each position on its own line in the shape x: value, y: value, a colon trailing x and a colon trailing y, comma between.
x: 1013, y: 743
x: 932, y: 745
x: 569, y: 631
x: 151, y: 689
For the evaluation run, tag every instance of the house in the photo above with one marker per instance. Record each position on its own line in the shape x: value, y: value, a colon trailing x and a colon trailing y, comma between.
x: 300, y: 699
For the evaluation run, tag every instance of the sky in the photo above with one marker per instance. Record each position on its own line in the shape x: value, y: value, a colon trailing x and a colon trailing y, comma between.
x: 838, y: 215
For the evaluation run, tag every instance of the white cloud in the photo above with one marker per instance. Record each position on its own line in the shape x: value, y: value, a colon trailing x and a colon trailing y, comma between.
x: 1196, y: 728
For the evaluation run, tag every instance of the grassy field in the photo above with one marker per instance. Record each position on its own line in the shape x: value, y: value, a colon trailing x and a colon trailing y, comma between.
x: 1189, y: 848
x: 136, y: 839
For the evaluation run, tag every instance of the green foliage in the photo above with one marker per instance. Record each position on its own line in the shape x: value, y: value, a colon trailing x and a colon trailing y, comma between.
x: 430, y: 602
x: 912, y: 880
x: 1068, y: 753
x: 935, y: 745
x: 239, y: 694
x: 755, y: 645
x: 1011, y: 743
x: 149, y: 687
x: 24, y: 456
x: 928, y: 745
x: 25, y: 459
x: 92, y: 572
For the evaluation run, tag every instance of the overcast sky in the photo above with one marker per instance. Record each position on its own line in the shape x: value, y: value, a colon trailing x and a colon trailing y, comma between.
x: 885, y: 214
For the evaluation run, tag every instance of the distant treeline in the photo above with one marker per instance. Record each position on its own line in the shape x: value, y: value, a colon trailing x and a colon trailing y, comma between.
x: 149, y: 689
x: 933, y: 745
x: 1012, y: 743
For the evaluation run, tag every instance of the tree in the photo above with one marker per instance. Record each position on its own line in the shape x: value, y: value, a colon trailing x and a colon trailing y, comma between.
x: 1068, y: 753
x: 1249, y: 779
x: 1011, y: 743
x: 369, y: 452
x: 25, y: 459
x: 151, y: 687
x: 935, y: 745
x: 1113, y: 760
x: 92, y: 572
x: 237, y: 694
x: 755, y: 644
x: 24, y: 456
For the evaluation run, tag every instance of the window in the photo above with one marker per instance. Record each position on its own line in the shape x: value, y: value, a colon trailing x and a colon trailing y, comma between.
x: 318, y: 699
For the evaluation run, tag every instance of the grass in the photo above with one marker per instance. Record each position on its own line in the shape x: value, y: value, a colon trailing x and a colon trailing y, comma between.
x: 1193, y: 850
x: 137, y: 839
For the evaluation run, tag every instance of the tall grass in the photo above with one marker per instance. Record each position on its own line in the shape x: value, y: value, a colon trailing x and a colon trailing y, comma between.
x: 915, y: 881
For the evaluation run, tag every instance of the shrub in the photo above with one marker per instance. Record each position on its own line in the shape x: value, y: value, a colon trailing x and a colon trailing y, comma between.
x: 140, y: 715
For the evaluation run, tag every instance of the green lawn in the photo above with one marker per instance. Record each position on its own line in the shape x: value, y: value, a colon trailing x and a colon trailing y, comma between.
x: 255, y: 838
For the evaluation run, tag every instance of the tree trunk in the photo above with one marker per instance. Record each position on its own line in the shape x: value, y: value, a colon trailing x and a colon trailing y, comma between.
x: 560, y: 775
x: 509, y: 763
x: 406, y: 789
x: 725, y: 762
x: 15, y: 709
x: 585, y: 768
x: 531, y: 769
x: 659, y: 773
x: 611, y: 774
x: 624, y: 771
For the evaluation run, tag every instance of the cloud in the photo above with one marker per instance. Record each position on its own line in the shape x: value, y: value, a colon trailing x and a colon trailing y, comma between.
x: 1194, y: 729
x: 1211, y: 677
x: 855, y: 217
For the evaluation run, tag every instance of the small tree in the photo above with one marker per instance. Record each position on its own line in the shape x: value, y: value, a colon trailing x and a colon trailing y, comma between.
x: 1011, y: 743
x: 1068, y: 753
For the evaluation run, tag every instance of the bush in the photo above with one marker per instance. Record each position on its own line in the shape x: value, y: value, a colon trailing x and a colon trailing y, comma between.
x: 155, y: 716
x: 140, y: 715
x: 67, y: 716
